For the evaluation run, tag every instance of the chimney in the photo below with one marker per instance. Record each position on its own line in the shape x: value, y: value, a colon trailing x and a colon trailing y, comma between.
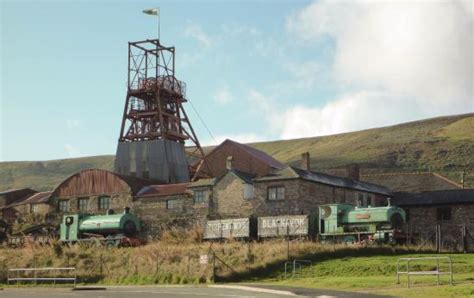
x: 229, y: 163
x: 305, y: 161
x: 353, y: 172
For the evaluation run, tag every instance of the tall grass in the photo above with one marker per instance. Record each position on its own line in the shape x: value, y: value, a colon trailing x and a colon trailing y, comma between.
x: 176, y: 259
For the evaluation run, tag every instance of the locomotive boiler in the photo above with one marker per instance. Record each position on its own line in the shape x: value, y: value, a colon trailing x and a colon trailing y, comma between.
x: 113, y: 229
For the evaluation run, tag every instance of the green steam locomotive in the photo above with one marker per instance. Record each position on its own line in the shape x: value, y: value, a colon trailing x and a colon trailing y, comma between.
x: 113, y: 229
x: 348, y: 223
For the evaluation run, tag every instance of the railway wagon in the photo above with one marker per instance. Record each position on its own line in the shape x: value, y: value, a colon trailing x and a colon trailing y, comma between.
x: 230, y: 228
x: 287, y: 225
x: 348, y: 223
x: 113, y: 229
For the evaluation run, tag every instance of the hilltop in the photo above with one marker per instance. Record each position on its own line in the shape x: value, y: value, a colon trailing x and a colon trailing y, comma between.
x: 443, y: 144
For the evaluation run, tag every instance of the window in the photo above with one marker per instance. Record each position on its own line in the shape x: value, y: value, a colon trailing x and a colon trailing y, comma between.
x: 63, y: 206
x: 104, y: 203
x: 34, y: 208
x: 198, y: 196
x: 248, y: 191
x: 443, y: 213
x: 276, y: 193
x: 82, y: 204
x: 360, y: 199
x: 173, y: 204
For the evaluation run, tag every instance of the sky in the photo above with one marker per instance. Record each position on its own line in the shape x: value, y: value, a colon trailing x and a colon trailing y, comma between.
x: 255, y: 70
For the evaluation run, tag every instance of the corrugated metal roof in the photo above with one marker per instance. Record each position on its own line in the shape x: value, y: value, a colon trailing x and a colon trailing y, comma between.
x: 440, y: 197
x: 163, y: 190
x: 294, y: 173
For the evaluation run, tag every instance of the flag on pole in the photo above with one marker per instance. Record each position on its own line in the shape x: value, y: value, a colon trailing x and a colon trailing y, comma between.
x: 152, y: 11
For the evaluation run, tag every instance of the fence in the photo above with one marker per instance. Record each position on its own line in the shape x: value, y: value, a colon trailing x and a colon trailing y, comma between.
x: 36, y: 278
x: 444, y: 237
x: 297, y: 265
x: 436, y: 272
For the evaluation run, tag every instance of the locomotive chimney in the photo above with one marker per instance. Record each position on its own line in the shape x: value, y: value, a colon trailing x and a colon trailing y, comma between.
x: 305, y: 163
x: 126, y: 210
x: 229, y: 163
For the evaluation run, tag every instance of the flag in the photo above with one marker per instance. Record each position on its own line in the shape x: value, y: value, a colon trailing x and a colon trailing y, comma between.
x: 152, y: 11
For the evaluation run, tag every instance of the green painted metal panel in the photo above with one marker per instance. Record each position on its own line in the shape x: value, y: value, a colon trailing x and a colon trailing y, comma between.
x: 107, y: 222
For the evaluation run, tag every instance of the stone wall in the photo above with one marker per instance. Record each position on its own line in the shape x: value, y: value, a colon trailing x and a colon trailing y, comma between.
x: 422, y: 221
x: 118, y: 201
x: 303, y: 197
x: 228, y: 198
x: 156, y: 217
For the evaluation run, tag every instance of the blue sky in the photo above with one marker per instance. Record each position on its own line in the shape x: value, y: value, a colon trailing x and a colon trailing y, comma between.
x: 255, y: 71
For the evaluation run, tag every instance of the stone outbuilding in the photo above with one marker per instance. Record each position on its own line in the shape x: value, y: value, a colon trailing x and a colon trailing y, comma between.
x: 452, y: 210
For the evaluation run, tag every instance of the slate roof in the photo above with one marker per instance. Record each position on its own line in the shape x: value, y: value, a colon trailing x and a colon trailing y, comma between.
x: 441, y: 197
x: 296, y: 173
x: 162, y: 190
x: 37, y: 198
x: 246, y: 177
x: 411, y: 182
x: 203, y: 182
x: 255, y: 153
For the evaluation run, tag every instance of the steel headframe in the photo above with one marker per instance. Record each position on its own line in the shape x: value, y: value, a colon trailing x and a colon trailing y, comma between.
x: 154, y: 102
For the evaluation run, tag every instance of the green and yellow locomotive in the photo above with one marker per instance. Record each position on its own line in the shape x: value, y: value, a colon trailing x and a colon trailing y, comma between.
x: 349, y: 223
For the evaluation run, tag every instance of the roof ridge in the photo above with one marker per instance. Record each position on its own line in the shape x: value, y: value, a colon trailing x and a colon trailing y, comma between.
x: 447, y: 180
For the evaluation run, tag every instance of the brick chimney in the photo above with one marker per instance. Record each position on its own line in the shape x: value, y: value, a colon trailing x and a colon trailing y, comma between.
x: 305, y: 163
x: 229, y: 163
x: 353, y: 172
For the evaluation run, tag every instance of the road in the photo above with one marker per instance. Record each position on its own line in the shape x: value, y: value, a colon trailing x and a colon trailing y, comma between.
x: 174, y: 292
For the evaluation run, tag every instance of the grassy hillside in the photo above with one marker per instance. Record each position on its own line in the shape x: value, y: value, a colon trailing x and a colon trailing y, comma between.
x: 445, y: 144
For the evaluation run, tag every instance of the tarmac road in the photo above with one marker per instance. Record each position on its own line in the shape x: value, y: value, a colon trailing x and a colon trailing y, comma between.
x: 174, y: 292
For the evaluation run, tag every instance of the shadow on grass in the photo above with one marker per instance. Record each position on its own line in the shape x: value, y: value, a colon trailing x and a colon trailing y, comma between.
x: 276, y: 269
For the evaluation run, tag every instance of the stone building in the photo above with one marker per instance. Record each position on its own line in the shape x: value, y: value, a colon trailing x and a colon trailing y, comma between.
x: 452, y: 210
x: 13, y: 196
x: 95, y: 191
x: 245, y: 158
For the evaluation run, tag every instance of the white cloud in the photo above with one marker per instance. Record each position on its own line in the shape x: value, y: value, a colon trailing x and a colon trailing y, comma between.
x: 420, y: 49
x: 350, y: 112
x: 72, y: 151
x: 223, y: 96
x: 195, y: 31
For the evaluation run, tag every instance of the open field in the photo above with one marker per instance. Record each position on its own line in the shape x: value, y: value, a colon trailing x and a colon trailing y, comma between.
x: 444, y: 144
x: 173, y: 261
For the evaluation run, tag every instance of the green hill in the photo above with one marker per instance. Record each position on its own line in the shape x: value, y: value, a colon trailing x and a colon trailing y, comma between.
x: 444, y: 144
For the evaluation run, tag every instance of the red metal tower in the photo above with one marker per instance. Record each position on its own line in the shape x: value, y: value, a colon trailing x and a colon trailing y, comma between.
x: 155, y: 126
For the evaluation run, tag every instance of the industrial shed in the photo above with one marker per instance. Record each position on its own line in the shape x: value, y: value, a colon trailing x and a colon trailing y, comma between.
x: 96, y: 191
